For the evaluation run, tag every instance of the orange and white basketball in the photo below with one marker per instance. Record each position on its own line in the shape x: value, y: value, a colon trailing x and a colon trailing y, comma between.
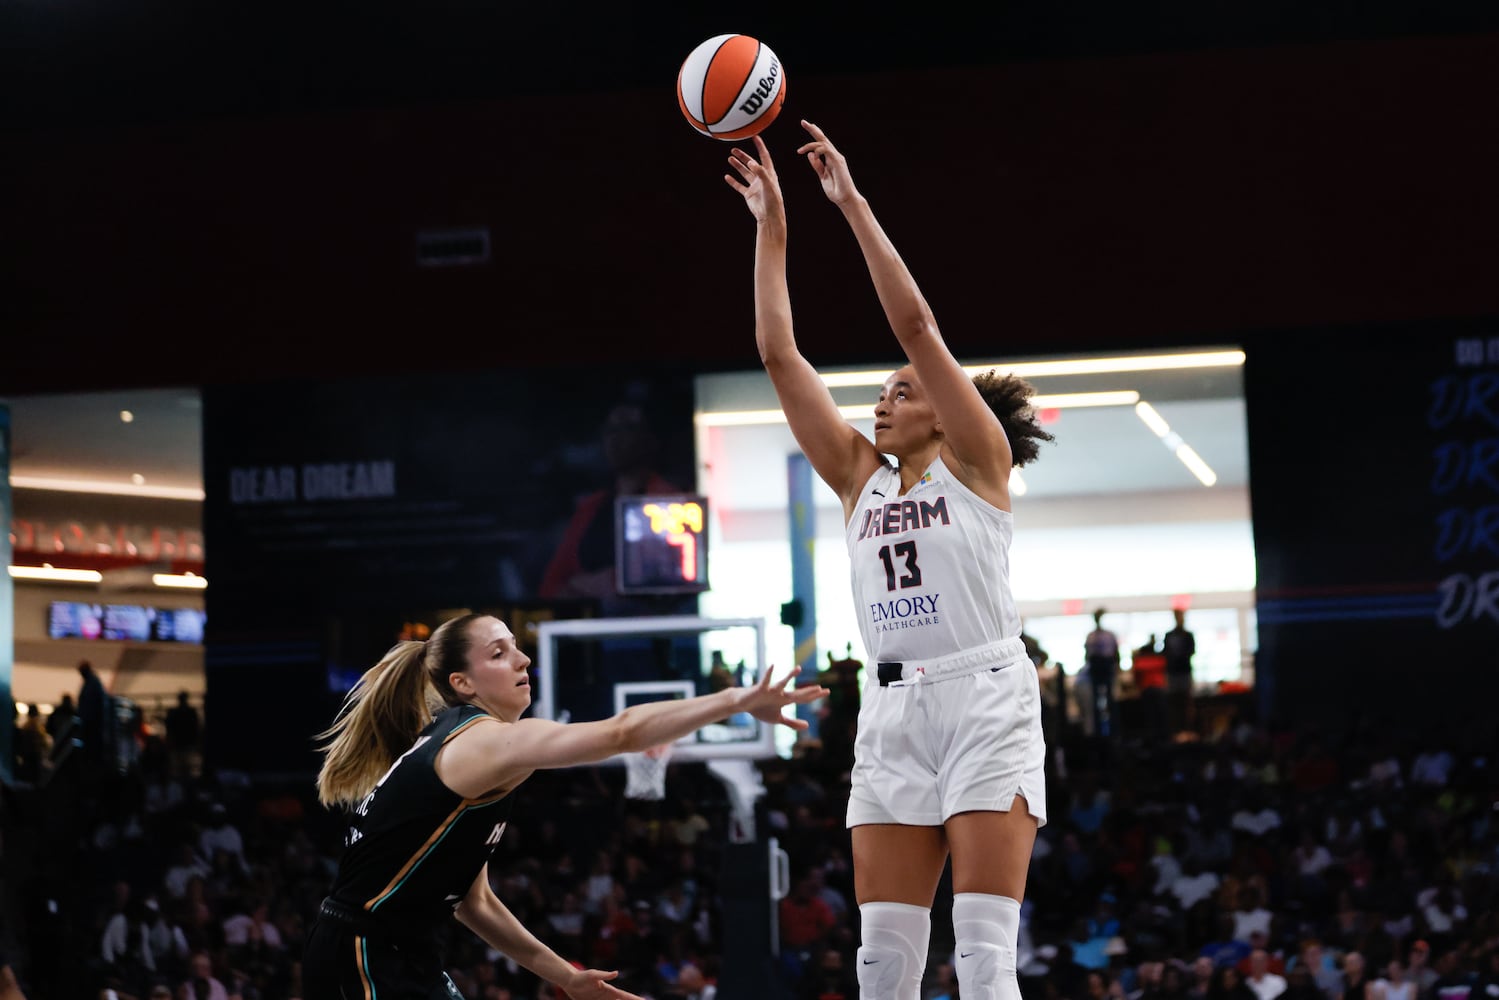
x: 731, y: 86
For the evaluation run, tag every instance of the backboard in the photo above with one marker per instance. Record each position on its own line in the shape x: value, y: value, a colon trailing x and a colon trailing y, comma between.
x: 589, y: 669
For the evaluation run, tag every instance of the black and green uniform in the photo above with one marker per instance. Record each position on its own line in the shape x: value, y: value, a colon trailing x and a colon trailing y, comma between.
x: 412, y: 850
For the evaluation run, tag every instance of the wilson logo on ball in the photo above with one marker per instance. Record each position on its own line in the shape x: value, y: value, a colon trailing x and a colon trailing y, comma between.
x: 731, y: 87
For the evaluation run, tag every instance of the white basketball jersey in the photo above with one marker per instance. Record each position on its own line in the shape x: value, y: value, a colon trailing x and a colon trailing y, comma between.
x: 931, y: 569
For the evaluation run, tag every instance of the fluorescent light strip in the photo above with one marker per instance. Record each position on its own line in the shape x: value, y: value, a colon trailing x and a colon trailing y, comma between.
x: 865, y: 411
x: 108, y: 488
x: 1152, y: 418
x: 1193, y: 461
x: 1078, y: 400
x: 53, y: 575
x: 1077, y: 366
x: 186, y: 581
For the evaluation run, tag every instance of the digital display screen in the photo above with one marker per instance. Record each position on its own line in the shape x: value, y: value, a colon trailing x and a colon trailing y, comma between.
x: 178, y: 625
x: 75, y: 620
x: 662, y: 544
x: 130, y: 622
x: 124, y: 622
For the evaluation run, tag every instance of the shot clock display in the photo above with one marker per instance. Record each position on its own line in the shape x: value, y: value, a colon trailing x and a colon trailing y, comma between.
x: 662, y: 544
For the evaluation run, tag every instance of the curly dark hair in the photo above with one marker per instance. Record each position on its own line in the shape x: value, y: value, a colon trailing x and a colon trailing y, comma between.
x: 1009, y: 396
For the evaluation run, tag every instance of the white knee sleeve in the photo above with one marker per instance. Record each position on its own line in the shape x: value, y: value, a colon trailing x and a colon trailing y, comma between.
x: 986, y: 928
x: 892, y: 957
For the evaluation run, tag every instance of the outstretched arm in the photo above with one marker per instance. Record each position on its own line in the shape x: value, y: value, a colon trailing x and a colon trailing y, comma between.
x: 501, y: 755
x: 843, y: 458
x: 482, y: 912
x: 972, y: 431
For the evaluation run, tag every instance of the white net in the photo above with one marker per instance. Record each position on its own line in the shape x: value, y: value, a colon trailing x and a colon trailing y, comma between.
x: 645, y: 773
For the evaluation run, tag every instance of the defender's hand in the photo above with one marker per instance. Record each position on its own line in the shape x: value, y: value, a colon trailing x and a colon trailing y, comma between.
x: 765, y: 700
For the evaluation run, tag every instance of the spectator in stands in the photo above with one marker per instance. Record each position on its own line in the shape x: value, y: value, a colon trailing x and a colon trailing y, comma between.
x: 1267, y: 985
x: 186, y: 866
x: 184, y: 733
x: 1432, y: 768
x: 1443, y: 914
x: 1179, y: 646
x: 93, y: 708
x: 1101, y: 661
x: 1320, y: 966
x: 1194, y: 885
x: 1300, y: 985
x: 1228, y: 984
x: 1355, y: 978
x: 200, y: 982
x: 62, y: 717
x: 806, y: 922
x: 126, y: 946
x: 567, y: 924
x: 831, y: 979
x: 1419, y: 971
x: 1251, y: 917
x: 600, y: 883
x: 837, y: 901
x: 252, y: 920
x: 221, y: 835
x: 1256, y: 816
x: 169, y: 945
x: 1483, y: 984
x: 1148, y: 668
x: 1200, y: 977
x: 1226, y: 948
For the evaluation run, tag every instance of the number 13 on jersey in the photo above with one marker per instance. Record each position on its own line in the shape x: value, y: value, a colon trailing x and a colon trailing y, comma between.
x: 891, y: 556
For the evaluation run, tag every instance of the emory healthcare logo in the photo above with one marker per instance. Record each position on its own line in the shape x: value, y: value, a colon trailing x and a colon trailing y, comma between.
x: 904, y: 612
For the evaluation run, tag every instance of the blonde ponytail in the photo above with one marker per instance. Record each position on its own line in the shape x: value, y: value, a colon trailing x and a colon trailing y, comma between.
x: 381, y: 717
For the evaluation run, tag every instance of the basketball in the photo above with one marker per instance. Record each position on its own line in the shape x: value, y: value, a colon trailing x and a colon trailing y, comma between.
x: 731, y: 86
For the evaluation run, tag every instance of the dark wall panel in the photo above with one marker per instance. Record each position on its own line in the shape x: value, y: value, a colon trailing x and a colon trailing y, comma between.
x: 1374, y: 458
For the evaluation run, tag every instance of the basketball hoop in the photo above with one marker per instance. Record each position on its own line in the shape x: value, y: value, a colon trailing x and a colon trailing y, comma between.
x: 646, y: 773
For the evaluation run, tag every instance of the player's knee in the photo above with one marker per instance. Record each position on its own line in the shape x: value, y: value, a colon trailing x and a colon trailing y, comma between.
x: 981, y: 970
x: 881, y: 972
x: 986, y: 928
x: 893, y: 956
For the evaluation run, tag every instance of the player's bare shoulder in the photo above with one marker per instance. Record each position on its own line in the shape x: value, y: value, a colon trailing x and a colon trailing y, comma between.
x: 473, y: 762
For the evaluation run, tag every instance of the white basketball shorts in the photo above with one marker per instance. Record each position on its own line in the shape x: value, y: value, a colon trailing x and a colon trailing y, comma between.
x: 960, y: 733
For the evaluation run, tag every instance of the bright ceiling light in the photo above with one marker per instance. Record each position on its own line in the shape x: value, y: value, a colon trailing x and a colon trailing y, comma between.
x: 1152, y: 419
x: 1075, y: 366
x: 185, y: 581
x: 865, y: 411
x: 51, y: 574
x: 1193, y: 461
x: 126, y: 416
x: 107, y: 488
x: 1017, y: 483
x: 1074, y: 400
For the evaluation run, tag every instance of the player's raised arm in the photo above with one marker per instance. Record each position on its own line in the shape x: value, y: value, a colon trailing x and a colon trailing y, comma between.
x: 842, y: 456
x: 971, y: 429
